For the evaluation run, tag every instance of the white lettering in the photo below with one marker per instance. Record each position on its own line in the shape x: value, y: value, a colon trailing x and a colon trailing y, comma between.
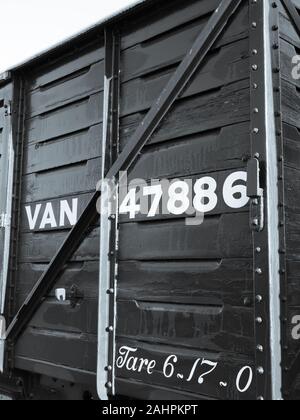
x: 71, y: 213
x: 48, y: 218
x: 296, y: 329
x: 124, y: 353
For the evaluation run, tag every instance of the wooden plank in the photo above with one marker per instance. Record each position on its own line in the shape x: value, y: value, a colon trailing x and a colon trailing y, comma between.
x: 293, y: 272
x: 65, y: 67
x: 60, y: 316
x: 149, y: 392
x: 61, y: 182
x: 290, y: 104
x: 59, y: 348
x: 227, y: 236
x: 65, y: 373
x: 292, y: 192
x: 293, y: 234
x: 288, y: 51
x: 220, y: 149
x: 84, y: 274
x: 217, y: 328
x: 76, y: 86
x: 287, y: 29
x: 199, y: 282
x: 170, y: 15
x: 69, y: 119
x: 40, y: 247
x: 161, y: 52
x: 227, y: 65
x: 227, y: 370
x: 291, y: 146
x: 74, y: 148
x: 227, y: 106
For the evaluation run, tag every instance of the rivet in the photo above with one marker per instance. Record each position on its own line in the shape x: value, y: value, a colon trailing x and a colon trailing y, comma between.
x: 254, y: 67
x: 259, y: 298
x: 260, y: 370
x: 260, y: 348
x: 275, y: 46
x: 110, y: 329
x: 255, y: 222
x: 254, y: 25
x: 108, y: 385
x: 258, y: 271
x: 255, y: 130
x: 254, y: 52
x: 260, y: 398
x: 259, y: 320
x: 257, y: 155
x: 108, y: 368
x: 256, y: 110
x: 274, y: 5
x: 255, y: 85
x: 110, y: 291
x: 275, y: 27
x: 258, y: 250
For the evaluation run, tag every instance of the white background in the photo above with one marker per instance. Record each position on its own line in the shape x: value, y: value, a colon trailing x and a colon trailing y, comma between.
x: 31, y: 26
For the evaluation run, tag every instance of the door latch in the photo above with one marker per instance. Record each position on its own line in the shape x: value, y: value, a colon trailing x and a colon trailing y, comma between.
x: 73, y: 296
x: 256, y: 195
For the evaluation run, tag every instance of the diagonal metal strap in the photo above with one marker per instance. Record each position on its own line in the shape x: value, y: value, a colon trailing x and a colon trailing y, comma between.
x: 155, y: 116
x: 293, y: 13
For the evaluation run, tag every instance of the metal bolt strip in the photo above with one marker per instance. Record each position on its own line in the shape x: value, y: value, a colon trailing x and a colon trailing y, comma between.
x: 19, y: 133
x: 260, y: 239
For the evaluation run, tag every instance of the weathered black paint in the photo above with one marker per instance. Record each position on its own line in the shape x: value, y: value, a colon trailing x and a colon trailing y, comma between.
x: 182, y: 290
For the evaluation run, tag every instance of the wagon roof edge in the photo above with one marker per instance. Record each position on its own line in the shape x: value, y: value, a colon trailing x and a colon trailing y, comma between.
x: 120, y: 14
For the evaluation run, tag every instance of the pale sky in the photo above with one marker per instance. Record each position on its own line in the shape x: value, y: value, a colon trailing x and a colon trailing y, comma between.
x: 31, y: 26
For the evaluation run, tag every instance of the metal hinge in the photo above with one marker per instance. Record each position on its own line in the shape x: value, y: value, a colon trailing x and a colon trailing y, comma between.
x: 4, y: 220
x: 256, y: 194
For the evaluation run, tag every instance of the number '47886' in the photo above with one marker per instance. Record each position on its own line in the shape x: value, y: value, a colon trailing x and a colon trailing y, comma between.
x: 188, y: 197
